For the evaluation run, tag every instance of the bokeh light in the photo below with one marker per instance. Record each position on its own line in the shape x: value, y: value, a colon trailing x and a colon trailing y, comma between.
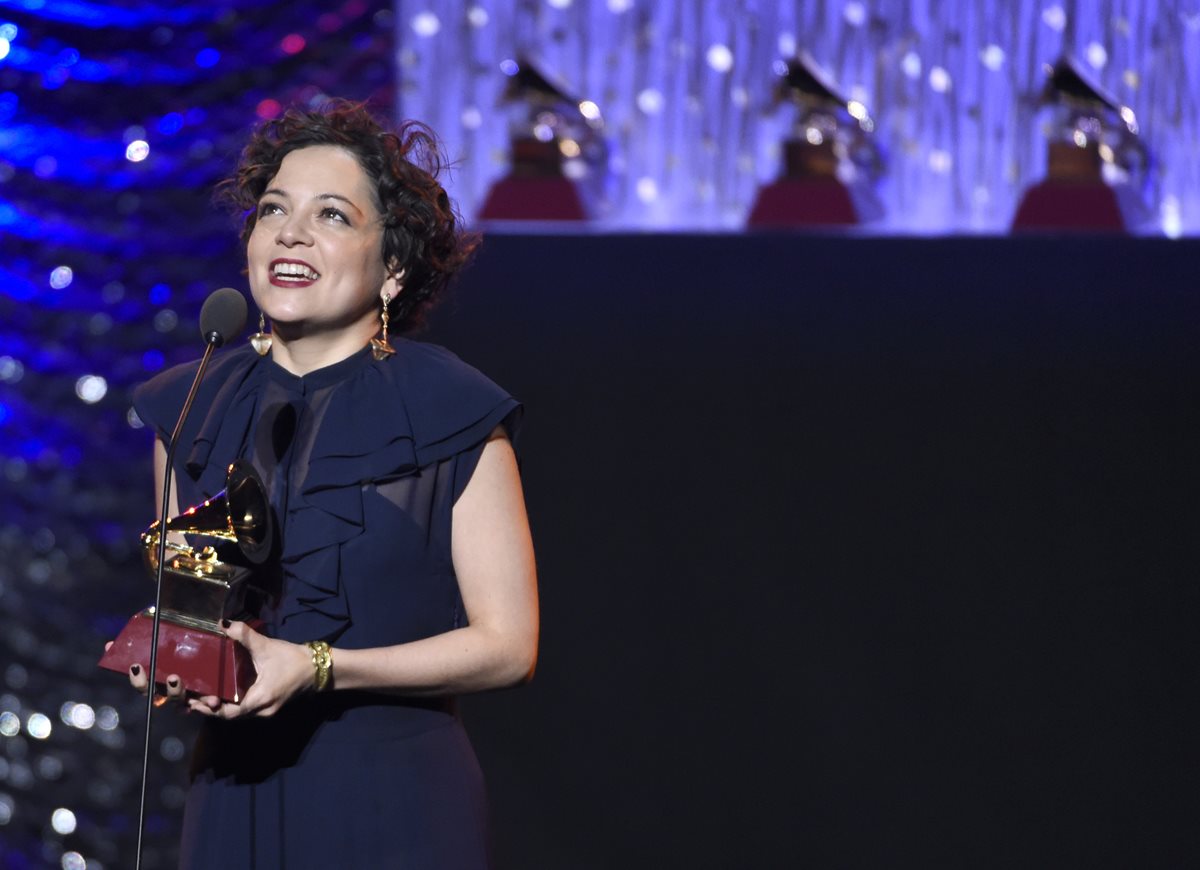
x: 137, y: 151
x: 426, y: 24
x: 61, y: 277
x: 63, y: 821
x: 91, y: 388
x: 268, y: 109
x: 720, y: 58
x: 650, y: 101
x: 992, y: 56
x: 38, y: 726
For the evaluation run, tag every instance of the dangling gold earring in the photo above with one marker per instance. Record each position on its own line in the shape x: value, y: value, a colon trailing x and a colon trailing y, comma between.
x: 261, y: 341
x: 380, y: 347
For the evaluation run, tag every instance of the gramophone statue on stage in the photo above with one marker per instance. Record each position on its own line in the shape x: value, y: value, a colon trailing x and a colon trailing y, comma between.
x: 202, y: 587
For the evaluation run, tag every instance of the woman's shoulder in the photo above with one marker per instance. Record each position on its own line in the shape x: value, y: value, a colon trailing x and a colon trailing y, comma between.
x: 423, y: 359
x: 429, y: 369
x: 448, y: 401
x: 158, y: 400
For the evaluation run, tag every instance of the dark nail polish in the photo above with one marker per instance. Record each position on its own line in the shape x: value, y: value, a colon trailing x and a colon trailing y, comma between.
x: 225, y: 623
x: 135, y: 669
x: 172, y: 682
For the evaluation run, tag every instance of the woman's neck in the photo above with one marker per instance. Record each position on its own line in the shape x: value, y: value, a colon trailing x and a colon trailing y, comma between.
x: 307, y: 353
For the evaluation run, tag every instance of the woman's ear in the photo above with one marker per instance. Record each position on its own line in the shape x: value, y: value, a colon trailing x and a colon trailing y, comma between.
x: 393, y: 285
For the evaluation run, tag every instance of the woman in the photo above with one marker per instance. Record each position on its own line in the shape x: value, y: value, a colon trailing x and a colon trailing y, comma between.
x: 405, y: 572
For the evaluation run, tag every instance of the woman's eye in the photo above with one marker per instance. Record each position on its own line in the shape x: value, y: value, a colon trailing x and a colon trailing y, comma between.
x: 334, y: 215
x: 268, y: 208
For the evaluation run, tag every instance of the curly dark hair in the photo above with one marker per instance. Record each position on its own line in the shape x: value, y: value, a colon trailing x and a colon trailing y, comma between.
x: 422, y: 232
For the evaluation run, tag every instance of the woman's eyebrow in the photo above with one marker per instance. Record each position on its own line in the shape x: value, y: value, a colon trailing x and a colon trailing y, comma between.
x: 276, y: 191
x: 340, y: 198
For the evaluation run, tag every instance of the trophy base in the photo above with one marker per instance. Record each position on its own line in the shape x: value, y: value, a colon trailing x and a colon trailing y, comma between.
x: 207, y: 662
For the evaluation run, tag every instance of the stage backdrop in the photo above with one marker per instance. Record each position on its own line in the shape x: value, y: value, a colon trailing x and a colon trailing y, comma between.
x: 854, y: 553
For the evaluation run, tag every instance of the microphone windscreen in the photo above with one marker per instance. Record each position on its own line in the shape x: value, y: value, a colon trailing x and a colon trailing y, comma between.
x: 223, y: 315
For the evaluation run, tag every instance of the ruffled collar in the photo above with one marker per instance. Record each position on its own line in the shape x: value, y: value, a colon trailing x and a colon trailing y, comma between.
x: 319, y: 378
x: 364, y: 434
x: 384, y: 419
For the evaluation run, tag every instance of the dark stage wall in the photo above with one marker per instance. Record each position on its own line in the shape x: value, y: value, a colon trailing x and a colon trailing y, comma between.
x: 853, y: 552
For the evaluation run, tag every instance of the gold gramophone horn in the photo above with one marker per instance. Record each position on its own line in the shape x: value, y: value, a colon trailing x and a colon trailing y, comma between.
x: 239, y: 513
x: 199, y: 589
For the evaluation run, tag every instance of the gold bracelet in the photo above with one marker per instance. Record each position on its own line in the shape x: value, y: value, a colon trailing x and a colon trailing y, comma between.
x: 322, y: 659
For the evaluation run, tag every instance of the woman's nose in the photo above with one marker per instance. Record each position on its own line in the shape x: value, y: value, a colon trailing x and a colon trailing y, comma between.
x: 293, y: 232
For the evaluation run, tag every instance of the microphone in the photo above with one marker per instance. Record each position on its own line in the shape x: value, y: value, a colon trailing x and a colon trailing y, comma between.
x: 222, y: 316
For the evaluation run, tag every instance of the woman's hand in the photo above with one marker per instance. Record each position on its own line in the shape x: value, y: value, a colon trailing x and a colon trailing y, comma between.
x: 140, y: 681
x: 284, y: 669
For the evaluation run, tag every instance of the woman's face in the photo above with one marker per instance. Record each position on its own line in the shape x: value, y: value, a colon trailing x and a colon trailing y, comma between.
x: 316, y: 252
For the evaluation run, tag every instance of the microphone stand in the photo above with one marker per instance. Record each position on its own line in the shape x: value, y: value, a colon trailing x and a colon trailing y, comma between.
x: 212, y: 341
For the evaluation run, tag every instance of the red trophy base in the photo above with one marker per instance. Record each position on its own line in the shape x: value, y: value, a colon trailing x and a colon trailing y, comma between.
x: 208, y: 663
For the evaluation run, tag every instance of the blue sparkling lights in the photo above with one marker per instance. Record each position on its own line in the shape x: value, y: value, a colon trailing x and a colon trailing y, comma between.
x: 16, y: 286
x: 207, y: 57
x: 170, y: 123
x: 93, y: 250
x: 90, y: 14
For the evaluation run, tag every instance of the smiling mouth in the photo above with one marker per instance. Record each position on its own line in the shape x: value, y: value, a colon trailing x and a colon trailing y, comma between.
x: 286, y: 272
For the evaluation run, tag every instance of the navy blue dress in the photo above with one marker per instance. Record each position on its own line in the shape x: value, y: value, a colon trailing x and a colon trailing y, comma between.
x: 363, y: 461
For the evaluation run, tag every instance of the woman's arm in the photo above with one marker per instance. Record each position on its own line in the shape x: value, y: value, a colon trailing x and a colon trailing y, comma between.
x: 493, y: 558
x: 160, y: 472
